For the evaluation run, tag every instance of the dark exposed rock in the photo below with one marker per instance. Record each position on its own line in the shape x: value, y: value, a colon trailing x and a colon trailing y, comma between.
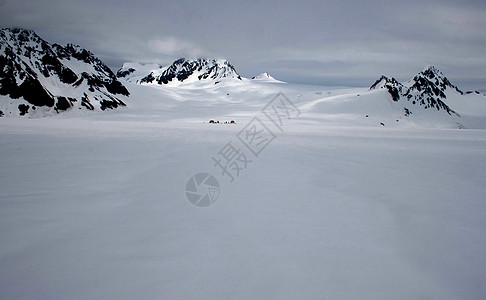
x: 115, y: 87
x: 86, y: 103
x: 64, y: 103
x: 124, y: 73
x: 23, y: 109
x: 391, y: 84
x: 111, y: 103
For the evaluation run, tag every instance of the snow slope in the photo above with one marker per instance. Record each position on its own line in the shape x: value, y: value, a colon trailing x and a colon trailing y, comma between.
x: 240, y: 100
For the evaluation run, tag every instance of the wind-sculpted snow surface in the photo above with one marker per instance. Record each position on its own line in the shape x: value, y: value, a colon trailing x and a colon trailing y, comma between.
x: 40, y: 79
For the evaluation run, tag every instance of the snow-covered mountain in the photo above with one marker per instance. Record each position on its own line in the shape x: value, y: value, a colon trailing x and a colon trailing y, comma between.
x: 38, y: 78
x: 428, y: 89
x: 428, y: 100
x: 265, y: 77
x: 180, y: 71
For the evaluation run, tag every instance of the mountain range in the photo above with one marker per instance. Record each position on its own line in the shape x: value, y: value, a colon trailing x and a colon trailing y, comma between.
x: 40, y: 79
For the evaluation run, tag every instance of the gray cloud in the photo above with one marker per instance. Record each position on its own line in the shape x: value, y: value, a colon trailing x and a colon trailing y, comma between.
x: 320, y: 42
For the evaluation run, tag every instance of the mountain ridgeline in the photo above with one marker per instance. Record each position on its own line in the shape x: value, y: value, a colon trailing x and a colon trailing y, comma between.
x: 184, y: 71
x: 428, y: 89
x: 39, y: 78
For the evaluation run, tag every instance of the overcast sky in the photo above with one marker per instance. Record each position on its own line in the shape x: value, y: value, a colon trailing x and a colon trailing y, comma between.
x: 317, y: 42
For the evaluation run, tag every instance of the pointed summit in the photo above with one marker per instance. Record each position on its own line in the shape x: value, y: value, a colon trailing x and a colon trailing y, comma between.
x: 383, y: 81
x: 431, y: 83
x: 429, y: 89
x: 432, y: 70
x: 391, y: 84
x: 263, y: 75
x: 266, y: 78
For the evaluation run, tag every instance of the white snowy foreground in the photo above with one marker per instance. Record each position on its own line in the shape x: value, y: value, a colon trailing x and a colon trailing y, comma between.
x: 93, y: 206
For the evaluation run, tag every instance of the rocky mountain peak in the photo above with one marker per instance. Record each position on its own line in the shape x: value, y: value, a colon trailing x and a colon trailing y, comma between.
x: 428, y: 89
x: 432, y: 81
x: 391, y: 84
x: 45, y: 78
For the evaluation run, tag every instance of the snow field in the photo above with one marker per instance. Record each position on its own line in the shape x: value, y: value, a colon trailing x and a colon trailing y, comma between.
x: 323, y: 212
